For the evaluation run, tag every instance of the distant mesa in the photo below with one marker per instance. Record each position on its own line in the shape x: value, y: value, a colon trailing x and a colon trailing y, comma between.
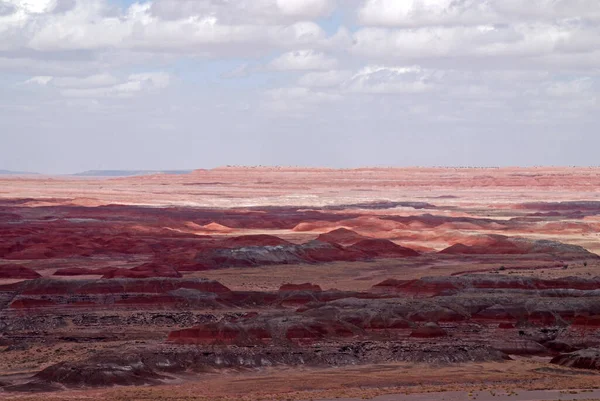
x: 10, y: 172
x: 129, y: 173
x: 382, y: 205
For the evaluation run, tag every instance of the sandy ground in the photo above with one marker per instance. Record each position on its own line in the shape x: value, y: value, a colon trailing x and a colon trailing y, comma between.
x: 392, y: 382
x: 535, y: 395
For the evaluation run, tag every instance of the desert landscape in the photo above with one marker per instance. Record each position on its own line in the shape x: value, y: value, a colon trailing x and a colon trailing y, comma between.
x: 257, y: 283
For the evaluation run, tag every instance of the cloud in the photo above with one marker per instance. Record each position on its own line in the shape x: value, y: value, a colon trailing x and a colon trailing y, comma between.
x: 333, y: 67
x: 94, y: 25
x: 385, y: 80
x: 325, y: 79
x: 302, y: 60
x: 104, y: 85
x: 296, y: 101
x: 521, y: 40
x: 39, y: 80
x: 418, y: 13
x: 573, y: 87
x: 270, y: 12
x: 306, y: 8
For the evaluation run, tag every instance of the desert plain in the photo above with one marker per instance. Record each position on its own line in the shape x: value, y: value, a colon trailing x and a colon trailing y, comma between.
x: 242, y: 283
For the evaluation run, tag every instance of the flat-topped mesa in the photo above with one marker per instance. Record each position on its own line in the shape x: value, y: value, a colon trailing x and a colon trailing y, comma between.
x: 434, y: 286
x: 579, y: 206
x: 97, y: 294
x: 45, y: 286
x: 502, y: 245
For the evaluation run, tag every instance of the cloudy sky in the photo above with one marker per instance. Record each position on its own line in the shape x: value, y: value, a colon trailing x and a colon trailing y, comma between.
x: 168, y: 84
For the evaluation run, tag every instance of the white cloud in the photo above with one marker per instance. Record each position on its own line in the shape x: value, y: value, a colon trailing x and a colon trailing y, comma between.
x: 468, y: 63
x: 104, y: 85
x: 39, y: 80
x: 325, y: 79
x: 521, y: 40
x: 257, y: 12
x: 381, y: 80
x: 302, y: 60
x: 93, y: 81
x: 410, y: 13
x: 306, y: 8
x: 296, y: 101
x: 415, y: 13
x: 570, y: 88
x: 97, y: 26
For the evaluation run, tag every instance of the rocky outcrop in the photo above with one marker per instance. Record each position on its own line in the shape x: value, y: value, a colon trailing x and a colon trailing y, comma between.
x: 583, y: 359
x: 101, y: 373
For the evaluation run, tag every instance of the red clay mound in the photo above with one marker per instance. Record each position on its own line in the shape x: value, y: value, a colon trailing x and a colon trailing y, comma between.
x: 82, y: 271
x: 382, y: 248
x: 253, y: 240
x: 502, y: 245
x: 217, y: 228
x: 341, y: 236
x: 209, y: 333
x: 148, y: 270
x: 17, y: 272
x: 300, y: 287
x: 500, y: 248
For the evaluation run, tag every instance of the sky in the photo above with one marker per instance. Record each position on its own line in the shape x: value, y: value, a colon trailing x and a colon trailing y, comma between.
x: 185, y: 84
